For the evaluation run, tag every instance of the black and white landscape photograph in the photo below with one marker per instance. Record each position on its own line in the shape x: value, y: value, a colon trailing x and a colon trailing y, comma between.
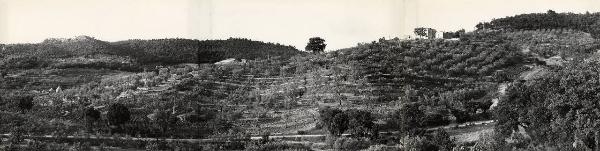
x: 300, y: 75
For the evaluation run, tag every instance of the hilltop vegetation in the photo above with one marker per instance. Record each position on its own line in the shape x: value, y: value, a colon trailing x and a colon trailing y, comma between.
x: 174, y: 51
x: 132, y: 55
x: 588, y: 22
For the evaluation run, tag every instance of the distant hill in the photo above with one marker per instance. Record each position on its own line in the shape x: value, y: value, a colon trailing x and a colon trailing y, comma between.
x: 184, y: 50
x: 88, y: 51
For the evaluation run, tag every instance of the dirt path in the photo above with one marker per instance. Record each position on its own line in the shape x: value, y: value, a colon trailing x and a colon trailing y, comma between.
x: 212, y: 140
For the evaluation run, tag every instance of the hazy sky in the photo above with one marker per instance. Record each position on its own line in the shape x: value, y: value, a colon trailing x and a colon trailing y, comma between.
x: 342, y: 23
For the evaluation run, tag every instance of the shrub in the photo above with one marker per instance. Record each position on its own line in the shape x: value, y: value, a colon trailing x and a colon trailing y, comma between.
x: 442, y: 139
x: 361, y: 123
x: 487, y: 141
x: 156, y: 145
x: 164, y: 120
x: 186, y: 84
x: 91, y: 115
x: 279, y: 146
x: 349, y: 144
x: 384, y: 148
x: 408, y: 118
x: 435, y: 119
x: 417, y: 143
x: 335, y: 120
x: 25, y: 102
x: 23, y: 63
x: 118, y: 114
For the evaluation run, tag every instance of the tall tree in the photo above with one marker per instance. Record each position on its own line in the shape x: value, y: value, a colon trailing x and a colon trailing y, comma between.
x: 421, y: 31
x: 316, y: 45
x: 408, y: 118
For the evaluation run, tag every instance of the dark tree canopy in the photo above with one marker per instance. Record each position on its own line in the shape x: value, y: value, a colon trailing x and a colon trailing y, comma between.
x: 118, y: 114
x: 164, y: 119
x: 91, y: 114
x: 361, y: 123
x: 25, y: 102
x: 408, y: 117
x: 316, y: 45
x: 442, y: 139
x: 335, y: 120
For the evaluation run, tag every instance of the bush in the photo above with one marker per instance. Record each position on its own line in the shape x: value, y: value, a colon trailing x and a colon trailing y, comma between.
x: 349, y: 144
x: 335, y: 120
x: 435, y: 119
x: 186, y: 84
x: 156, y: 145
x: 279, y: 146
x: 408, y: 118
x: 23, y: 63
x: 25, y: 102
x: 487, y: 141
x: 384, y: 148
x: 442, y: 139
x: 361, y: 123
x: 164, y: 120
x: 91, y: 115
x: 118, y: 114
x: 417, y: 143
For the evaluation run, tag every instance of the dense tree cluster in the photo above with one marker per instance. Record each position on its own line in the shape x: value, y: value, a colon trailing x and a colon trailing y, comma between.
x: 556, y: 111
x: 588, y: 22
x: 359, y: 123
x: 456, y: 34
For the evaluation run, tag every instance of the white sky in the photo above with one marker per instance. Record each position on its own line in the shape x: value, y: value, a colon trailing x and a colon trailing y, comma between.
x: 342, y: 23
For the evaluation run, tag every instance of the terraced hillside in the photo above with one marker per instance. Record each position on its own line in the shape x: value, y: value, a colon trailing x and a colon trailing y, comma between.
x: 443, y: 82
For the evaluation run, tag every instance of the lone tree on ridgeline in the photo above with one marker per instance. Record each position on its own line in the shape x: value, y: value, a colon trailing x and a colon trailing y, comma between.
x: 315, y: 45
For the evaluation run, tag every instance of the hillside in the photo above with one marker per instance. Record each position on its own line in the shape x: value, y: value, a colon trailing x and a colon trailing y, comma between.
x: 588, y: 22
x: 132, y: 55
x: 511, y: 85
